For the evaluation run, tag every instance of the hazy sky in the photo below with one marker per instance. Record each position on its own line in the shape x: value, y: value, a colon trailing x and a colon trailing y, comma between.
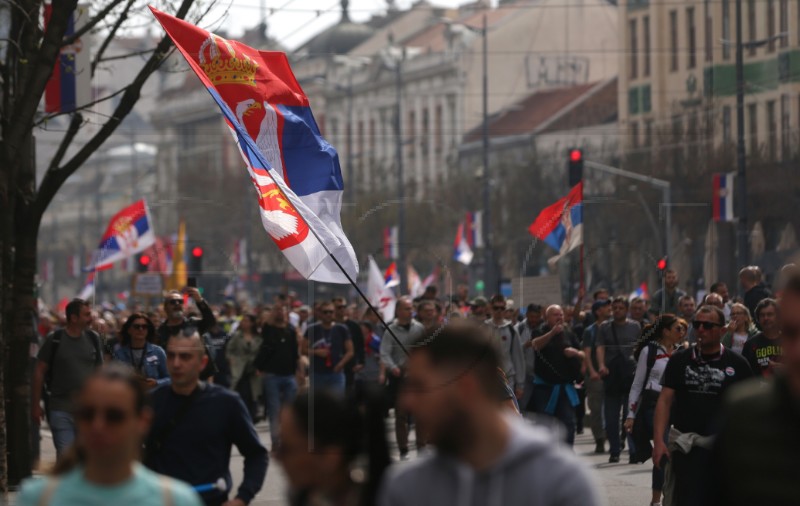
x: 293, y: 22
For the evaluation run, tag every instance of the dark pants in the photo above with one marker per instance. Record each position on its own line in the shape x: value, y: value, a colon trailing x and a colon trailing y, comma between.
x: 245, y: 391
x: 648, y: 405
x: 564, y: 412
x: 401, y: 416
x: 580, y: 409
x: 689, y: 471
x: 616, y: 407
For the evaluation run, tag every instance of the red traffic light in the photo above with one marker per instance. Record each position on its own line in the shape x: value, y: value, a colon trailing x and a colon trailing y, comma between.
x: 197, y: 252
x: 575, y: 155
x: 662, y: 264
x: 144, y: 260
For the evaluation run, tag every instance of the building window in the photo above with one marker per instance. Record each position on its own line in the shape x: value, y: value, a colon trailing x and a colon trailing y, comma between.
x: 709, y: 35
x: 784, y: 23
x: 371, y: 135
x: 753, y: 119
x: 673, y: 40
x: 786, y: 147
x: 726, y: 29
x: 412, y: 133
x: 635, y: 135
x: 726, y: 125
x: 646, y: 44
x: 751, y: 24
x: 771, y: 26
x: 690, y: 36
x: 425, y: 134
x: 772, y: 129
x: 648, y: 133
x: 633, y: 70
x: 438, y: 133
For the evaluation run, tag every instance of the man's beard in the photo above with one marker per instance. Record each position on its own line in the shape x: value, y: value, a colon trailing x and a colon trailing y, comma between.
x: 176, y: 314
x: 455, y: 433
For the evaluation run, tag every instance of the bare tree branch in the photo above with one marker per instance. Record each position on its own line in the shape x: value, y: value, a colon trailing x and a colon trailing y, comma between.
x: 54, y: 178
x: 74, y: 127
x: 126, y: 55
x: 91, y: 23
x: 41, y: 63
x: 120, y: 19
x: 47, y: 118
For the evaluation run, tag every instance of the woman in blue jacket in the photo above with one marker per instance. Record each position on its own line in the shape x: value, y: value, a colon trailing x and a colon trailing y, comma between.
x: 136, y: 349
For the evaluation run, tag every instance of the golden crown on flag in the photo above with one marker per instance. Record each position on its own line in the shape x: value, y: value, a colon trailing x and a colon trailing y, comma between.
x: 228, y: 70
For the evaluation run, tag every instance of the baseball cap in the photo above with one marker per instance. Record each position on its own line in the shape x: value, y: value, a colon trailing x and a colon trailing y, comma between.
x: 479, y: 301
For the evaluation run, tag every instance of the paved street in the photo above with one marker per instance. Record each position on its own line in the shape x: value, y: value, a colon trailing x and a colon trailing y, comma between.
x: 623, y: 484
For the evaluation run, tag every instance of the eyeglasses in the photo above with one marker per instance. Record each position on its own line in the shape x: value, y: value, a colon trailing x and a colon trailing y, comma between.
x: 111, y: 416
x: 174, y: 301
x: 341, y: 307
x: 499, y: 308
x: 327, y: 311
x: 705, y: 325
x: 139, y: 326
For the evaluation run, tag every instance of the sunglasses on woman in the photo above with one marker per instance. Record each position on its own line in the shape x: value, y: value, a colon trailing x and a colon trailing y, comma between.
x: 110, y: 416
x: 139, y: 326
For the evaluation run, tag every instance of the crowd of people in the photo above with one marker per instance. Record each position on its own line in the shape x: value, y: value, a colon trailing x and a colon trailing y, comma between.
x: 178, y: 387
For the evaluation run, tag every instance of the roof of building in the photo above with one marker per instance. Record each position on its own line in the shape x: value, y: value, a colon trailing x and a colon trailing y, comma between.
x: 339, y: 38
x: 554, y: 110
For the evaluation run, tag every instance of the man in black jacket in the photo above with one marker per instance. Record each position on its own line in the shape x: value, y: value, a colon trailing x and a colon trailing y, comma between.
x: 196, y: 424
x: 754, y: 288
x: 177, y: 321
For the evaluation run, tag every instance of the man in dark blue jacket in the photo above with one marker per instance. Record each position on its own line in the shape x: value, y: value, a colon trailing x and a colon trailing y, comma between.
x: 196, y: 424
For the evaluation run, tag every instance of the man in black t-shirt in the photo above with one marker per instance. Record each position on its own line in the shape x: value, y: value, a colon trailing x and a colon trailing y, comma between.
x: 693, y: 385
x: 763, y: 350
x: 329, y: 347
x: 342, y: 316
x: 558, y: 366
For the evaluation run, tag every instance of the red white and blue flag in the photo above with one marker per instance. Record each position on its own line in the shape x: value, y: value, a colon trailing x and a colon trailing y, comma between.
x: 462, y: 251
x: 69, y: 86
x: 722, y: 202
x: 561, y: 225
x: 87, y: 292
x: 295, y: 171
x: 391, y: 277
x: 391, y: 242
x: 473, y: 228
x: 379, y: 295
x: 640, y: 292
x: 129, y: 232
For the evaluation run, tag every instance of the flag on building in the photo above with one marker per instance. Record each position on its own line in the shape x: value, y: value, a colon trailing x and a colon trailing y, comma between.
x: 70, y: 84
x: 391, y: 243
x: 87, y: 292
x: 129, y: 232
x: 240, y: 253
x: 561, y: 224
x: 462, y: 253
x: 722, y: 202
x: 640, y: 292
x: 295, y: 171
x: 73, y: 266
x: 381, y: 297
x: 473, y: 228
x: 391, y: 278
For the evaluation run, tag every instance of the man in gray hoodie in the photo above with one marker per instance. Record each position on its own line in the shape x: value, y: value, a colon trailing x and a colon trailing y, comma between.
x: 512, y: 355
x: 483, y: 456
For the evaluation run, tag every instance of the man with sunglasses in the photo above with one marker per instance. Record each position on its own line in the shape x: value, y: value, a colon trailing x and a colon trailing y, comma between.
x: 177, y: 319
x: 512, y: 355
x: 330, y: 347
x: 759, y: 438
x: 694, y: 382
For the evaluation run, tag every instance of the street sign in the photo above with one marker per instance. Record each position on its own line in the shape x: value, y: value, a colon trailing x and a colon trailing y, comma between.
x: 147, y: 285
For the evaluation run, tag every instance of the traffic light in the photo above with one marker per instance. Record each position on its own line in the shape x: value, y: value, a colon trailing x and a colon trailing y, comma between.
x: 575, y: 166
x: 196, y: 261
x: 143, y: 262
x: 662, y: 265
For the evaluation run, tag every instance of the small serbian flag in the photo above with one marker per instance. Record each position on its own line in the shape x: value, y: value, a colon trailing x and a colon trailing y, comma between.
x: 391, y: 242
x: 462, y: 253
x: 129, y: 232
x: 561, y: 224
x: 722, y: 203
x: 473, y: 228
x: 640, y: 292
x: 391, y: 278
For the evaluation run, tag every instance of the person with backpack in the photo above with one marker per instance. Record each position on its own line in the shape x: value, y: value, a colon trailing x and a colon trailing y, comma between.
x: 67, y: 357
x: 652, y: 354
x: 512, y: 355
x: 113, y: 416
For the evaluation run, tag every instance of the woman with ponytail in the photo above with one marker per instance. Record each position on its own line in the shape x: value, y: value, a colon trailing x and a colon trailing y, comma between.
x: 652, y: 353
x: 112, y: 418
x: 333, y: 450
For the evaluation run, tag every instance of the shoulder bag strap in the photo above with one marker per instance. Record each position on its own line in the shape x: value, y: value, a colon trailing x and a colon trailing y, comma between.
x: 166, y: 491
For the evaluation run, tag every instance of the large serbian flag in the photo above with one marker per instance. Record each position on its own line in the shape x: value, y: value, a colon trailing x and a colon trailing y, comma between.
x: 561, y: 224
x: 129, y: 232
x: 295, y: 172
x: 722, y: 202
